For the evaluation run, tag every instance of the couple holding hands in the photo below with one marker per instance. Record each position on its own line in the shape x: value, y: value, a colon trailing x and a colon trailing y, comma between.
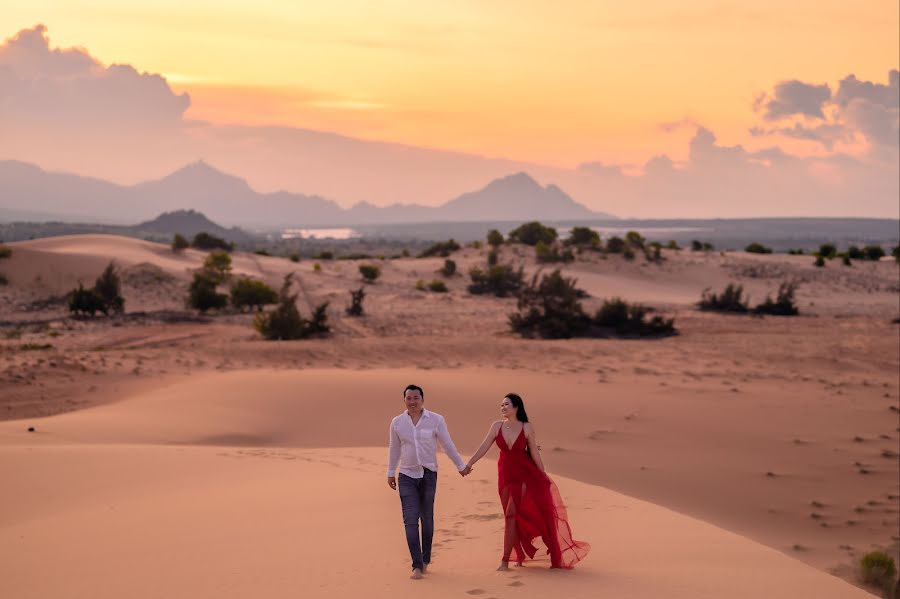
x: 531, y: 503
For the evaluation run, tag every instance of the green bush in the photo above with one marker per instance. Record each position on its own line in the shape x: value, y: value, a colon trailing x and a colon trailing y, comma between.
x: 437, y: 286
x: 420, y: 285
x: 202, y: 294
x: 797, y: 252
x: 262, y: 252
x: 442, y: 249
x: 628, y: 253
x: 294, y: 257
x: 878, y: 568
x: 180, y: 243
x: 845, y: 259
x: 492, y: 258
x: 205, y: 241
x: 551, y: 253
x: 108, y: 288
x: 704, y: 246
x: 628, y: 320
x: 896, y: 253
x: 285, y: 322
x: 355, y: 256
x: 828, y: 250
x: 85, y: 301
x: 218, y: 266
x: 325, y: 256
x: 317, y: 267
x: 874, y: 252
x: 248, y: 293
x: 356, y: 302
x: 3, y: 279
x: 820, y: 261
x: 500, y: 280
x: 673, y: 245
x: 494, y: 238
x: 583, y: 237
x: 533, y: 232
x: 757, y: 248
x: 653, y: 253
x: 549, y: 308
x: 369, y: 272
x: 449, y: 268
x: 855, y: 253
x: 634, y: 239
x: 615, y: 245
x: 730, y: 300
x: 783, y: 305
x: 5, y: 251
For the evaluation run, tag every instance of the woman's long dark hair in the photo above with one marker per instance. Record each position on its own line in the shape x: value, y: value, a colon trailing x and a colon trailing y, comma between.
x: 517, y: 402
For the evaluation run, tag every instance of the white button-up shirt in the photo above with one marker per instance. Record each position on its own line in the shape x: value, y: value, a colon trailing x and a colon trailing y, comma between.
x: 414, y: 447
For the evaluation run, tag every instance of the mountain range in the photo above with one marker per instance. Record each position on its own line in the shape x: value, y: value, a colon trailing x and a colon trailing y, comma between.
x: 29, y: 193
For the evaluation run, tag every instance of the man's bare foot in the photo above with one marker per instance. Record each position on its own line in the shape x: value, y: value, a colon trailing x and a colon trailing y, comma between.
x: 503, y: 567
x: 417, y: 574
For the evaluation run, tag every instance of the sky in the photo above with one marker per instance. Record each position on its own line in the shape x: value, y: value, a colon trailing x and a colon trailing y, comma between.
x: 578, y: 93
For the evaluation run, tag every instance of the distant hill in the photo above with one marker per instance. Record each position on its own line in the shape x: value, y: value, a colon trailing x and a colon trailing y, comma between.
x: 189, y: 223
x: 224, y: 198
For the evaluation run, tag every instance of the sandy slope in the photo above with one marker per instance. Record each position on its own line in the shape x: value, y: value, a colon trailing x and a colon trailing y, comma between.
x: 110, y: 520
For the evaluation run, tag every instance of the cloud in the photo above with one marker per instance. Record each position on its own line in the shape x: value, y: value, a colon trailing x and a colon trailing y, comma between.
x: 795, y: 98
x: 826, y: 134
x: 69, y: 89
x: 851, y: 88
x: 600, y: 169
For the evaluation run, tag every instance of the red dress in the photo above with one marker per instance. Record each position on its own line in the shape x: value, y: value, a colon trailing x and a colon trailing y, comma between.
x: 532, y: 504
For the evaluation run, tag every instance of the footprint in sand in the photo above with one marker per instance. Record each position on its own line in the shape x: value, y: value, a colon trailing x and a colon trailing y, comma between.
x: 516, y: 583
x: 476, y: 592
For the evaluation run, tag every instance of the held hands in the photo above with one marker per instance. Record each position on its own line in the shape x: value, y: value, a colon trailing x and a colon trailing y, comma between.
x: 466, y: 471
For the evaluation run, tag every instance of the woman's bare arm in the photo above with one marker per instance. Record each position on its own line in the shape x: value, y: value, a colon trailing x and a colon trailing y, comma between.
x: 485, y: 445
x: 533, y: 448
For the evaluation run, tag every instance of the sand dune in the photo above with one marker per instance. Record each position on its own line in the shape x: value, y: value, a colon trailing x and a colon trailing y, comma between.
x: 95, y: 518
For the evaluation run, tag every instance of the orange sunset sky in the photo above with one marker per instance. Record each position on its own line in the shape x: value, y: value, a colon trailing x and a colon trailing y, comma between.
x: 554, y: 84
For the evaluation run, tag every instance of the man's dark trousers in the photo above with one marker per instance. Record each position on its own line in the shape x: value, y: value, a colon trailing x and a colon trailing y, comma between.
x: 417, y: 501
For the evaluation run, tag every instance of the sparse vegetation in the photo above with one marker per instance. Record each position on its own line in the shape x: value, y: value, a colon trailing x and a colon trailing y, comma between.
x: 180, y: 243
x: 218, y: 266
x: 583, y: 237
x: 441, y: 248
x: 285, y: 322
x: 896, y: 253
x: 35, y: 346
x: 202, y: 294
x: 325, y: 256
x: 730, y: 300
x: 3, y: 279
x: 874, y: 252
x: 672, y: 245
x: 437, y: 286
x: 701, y: 246
x: 783, y: 305
x: 820, y: 261
x: 615, y: 245
x: 855, y: 253
x: 369, y: 272
x: 449, y: 268
x: 796, y: 252
x: 635, y: 239
x: 420, y: 285
x: 294, y: 257
x: 495, y: 238
x: 878, y: 568
x: 549, y: 308
x: 757, y: 248
x: 105, y: 296
x: 532, y: 232
x: 249, y: 293
x: 501, y: 280
x: 492, y: 258
x: 828, y: 250
x: 845, y: 259
x: 205, y: 241
x: 550, y: 253
x: 356, y: 302
x: 85, y: 301
x: 5, y: 251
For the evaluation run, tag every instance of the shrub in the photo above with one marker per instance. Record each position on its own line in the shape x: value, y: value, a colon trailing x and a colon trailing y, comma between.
x: 653, y: 253
x: 449, y: 268
x: 494, y: 238
x: 846, y: 260
x: 437, y: 286
x: 628, y: 254
x: 672, y: 245
x: 730, y: 300
x: 294, y: 257
x: 180, y: 243
x: 797, y: 252
x: 355, y: 256
x: 757, y: 248
x: 874, y: 252
x: 108, y: 289
x: 441, y: 248
x: 85, y: 301
x: 492, y: 258
x: 500, y: 280
x: 262, y: 252
x: 855, y: 253
x: 583, y: 236
x: 247, y: 293
x: 218, y: 266
x: 533, y: 232
x: 369, y: 272
x: 628, y: 320
x: 420, y: 285
x: 708, y: 247
x: 205, y: 241
x: 878, y: 568
x: 550, y: 309
x: 356, y: 299
x: 828, y: 250
x: 820, y: 261
x: 5, y: 251
x: 285, y: 322
x: 325, y: 256
x: 783, y: 305
x: 317, y: 267
x: 896, y: 253
x: 202, y: 294
x: 696, y: 246
x: 615, y: 245
x: 548, y: 253
x: 3, y: 279
x: 634, y: 239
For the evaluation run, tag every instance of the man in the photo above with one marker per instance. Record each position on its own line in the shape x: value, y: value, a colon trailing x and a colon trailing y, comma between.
x: 414, y: 436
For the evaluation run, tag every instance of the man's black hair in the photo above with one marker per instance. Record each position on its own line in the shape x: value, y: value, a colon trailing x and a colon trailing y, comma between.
x: 414, y: 388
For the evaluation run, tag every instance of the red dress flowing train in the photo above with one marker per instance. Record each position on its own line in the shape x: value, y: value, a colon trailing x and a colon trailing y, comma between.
x: 533, y: 508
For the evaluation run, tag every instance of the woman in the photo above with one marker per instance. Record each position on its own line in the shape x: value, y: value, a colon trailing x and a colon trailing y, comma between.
x: 530, y: 500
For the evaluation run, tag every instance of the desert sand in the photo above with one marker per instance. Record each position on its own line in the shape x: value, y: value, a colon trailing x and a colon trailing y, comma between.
x: 184, y: 456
